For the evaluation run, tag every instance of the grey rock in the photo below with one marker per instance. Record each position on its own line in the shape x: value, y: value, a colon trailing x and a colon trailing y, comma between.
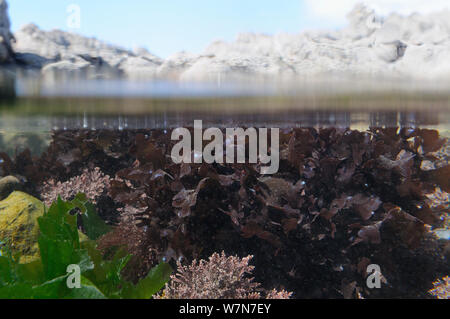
x: 58, y: 45
x: 79, y: 68
x: 390, y: 52
x: 176, y: 64
x: 31, y: 60
x: 414, y: 47
x: 69, y: 55
x: 71, y: 67
x: 8, y: 185
x: 139, y: 67
x: 6, y: 52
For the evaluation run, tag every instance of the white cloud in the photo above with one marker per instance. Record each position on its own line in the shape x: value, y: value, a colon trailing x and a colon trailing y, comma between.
x: 336, y: 10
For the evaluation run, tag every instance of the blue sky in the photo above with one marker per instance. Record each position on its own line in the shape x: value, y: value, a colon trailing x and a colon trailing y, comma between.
x: 168, y: 26
x: 165, y: 26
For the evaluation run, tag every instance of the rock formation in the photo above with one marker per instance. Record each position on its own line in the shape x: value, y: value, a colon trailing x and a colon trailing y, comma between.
x: 411, y: 47
x: 416, y: 47
x: 19, y: 226
x: 58, y: 52
x: 8, y: 184
x: 5, y: 34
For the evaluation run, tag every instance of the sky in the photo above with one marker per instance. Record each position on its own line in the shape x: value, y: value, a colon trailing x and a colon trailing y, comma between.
x: 165, y: 27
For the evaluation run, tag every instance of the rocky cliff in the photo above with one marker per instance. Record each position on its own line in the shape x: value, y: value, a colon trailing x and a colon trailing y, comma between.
x: 413, y: 47
x: 62, y: 52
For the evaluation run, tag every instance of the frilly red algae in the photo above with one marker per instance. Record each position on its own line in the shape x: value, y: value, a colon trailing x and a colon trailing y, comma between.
x: 340, y: 195
x: 219, y: 277
x: 441, y: 289
x: 92, y: 183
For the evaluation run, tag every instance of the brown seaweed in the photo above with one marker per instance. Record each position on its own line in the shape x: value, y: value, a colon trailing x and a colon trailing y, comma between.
x: 340, y: 195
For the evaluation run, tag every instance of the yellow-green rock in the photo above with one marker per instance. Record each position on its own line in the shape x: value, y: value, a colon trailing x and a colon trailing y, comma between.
x: 18, y: 224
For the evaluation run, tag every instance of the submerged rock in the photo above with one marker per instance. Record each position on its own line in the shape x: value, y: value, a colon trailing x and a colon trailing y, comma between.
x: 19, y: 227
x: 18, y: 224
x: 8, y: 184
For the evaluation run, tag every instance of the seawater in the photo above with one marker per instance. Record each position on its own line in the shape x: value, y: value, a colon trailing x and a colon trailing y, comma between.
x: 30, y: 120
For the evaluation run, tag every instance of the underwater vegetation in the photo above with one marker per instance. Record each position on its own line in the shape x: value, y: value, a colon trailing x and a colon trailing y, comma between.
x: 60, y: 245
x: 441, y: 288
x: 91, y: 183
x: 55, y: 242
x: 219, y: 277
x: 341, y: 200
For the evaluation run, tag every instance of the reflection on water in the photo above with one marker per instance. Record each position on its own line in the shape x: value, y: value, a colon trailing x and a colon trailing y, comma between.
x: 7, y: 84
x: 33, y: 130
x: 29, y: 84
x: 16, y: 142
x: 41, y: 107
x: 281, y: 119
x: 340, y: 110
x: 116, y: 104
